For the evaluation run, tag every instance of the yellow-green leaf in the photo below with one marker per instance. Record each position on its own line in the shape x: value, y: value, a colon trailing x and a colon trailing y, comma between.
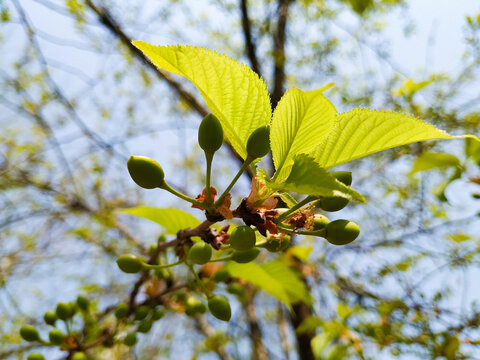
x: 430, y: 160
x: 232, y: 91
x: 361, y: 132
x: 173, y: 220
x: 300, y: 122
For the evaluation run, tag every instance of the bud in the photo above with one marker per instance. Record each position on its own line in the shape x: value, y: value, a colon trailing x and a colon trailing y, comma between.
x: 258, y: 144
x: 129, y: 263
x: 200, y: 253
x: 220, y: 307
x: 242, y: 238
x: 210, y: 134
x: 341, y: 232
x: 29, y: 333
x: 146, y: 172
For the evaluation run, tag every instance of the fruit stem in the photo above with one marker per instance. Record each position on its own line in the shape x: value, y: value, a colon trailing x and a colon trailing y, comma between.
x: 225, y: 258
x: 245, y: 164
x: 200, y: 282
x: 294, y: 208
x: 208, y: 158
x: 150, y: 266
x: 302, y: 232
x: 168, y: 188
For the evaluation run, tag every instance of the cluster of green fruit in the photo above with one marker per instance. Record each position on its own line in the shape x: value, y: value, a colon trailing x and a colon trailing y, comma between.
x: 64, y: 312
x: 144, y: 317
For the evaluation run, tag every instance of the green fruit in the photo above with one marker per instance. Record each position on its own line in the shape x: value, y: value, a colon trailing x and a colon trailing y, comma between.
x: 157, y: 314
x: 56, y: 336
x: 146, y: 172
x: 200, y: 253
x: 343, y: 176
x: 121, y: 311
x: 141, y: 312
x: 246, y: 256
x: 221, y: 275
x: 236, y: 289
x: 320, y: 222
x: 50, y: 317
x: 35, y: 356
x: 29, y: 333
x: 79, y: 356
x: 242, y: 238
x: 341, y: 232
x: 332, y: 204
x: 220, y: 307
x: 193, y: 306
x: 130, y: 339
x: 277, y: 244
x: 83, y: 303
x: 64, y: 311
x: 144, y: 326
x: 210, y: 134
x: 129, y: 263
x: 258, y: 144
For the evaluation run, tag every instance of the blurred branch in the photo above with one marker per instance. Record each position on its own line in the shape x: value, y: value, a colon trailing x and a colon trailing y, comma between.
x: 250, y: 46
x: 203, y: 326
x: 258, y: 349
x: 107, y: 19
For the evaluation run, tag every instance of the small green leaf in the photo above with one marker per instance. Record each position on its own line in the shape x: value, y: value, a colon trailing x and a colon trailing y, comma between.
x: 307, y: 177
x: 361, y: 132
x: 430, y: 160
x: 233, y: 92
x: 256, y: 275
x: 173, y: 220
x: 289, y: 279
x: 300, y: 123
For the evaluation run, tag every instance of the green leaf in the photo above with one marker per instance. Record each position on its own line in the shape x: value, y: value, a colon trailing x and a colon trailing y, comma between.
x: 472, y: 149
x: 256, y: 275
x: 300, y: 123
x: 307, y: 177
x: 289, y: 279
x: 430, y: 160
x: 173, y: 220
x: 361, y: 132
x: 233, y: 92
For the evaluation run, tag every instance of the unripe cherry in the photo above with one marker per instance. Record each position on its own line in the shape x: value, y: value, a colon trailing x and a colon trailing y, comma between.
x: 341, y: 232
x: 158, y: 314
x: 220, y: 307
x: 56, y: 336
x: 79, y: 356
x: 29, y: 333
x: 336, y: 203
x: 83, y: 303
x: 35, y: 356
x: 193, y: 306
x: 236, y: 289
x: 276, y: 244
x: 200, y: 253
x: 146, y: 172
x: 50, y: 318
x: 221, y: 275
x: 141, y: 312
x: 242, y: 238
x: 320, y: 222
x: 129, y: 263
x: 343, y: 176
x: 243, y: 257
x: 121, y: 311
x: 258, y: 143
x: 145, y: 326
x: 210, y: 134
x: 130, y: 339
x: 64, y: 311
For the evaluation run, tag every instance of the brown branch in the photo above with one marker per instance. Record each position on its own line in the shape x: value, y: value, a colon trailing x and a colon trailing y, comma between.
x: 279, y: 40
x: 106, y: 18
x: 250, y: 47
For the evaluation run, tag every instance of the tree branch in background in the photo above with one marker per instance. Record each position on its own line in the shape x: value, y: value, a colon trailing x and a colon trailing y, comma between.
x: 250, y: 46
x: 279, y: 39
x: 106, y: 18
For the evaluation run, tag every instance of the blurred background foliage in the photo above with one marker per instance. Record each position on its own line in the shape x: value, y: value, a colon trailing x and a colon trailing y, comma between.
x: 77, y: 99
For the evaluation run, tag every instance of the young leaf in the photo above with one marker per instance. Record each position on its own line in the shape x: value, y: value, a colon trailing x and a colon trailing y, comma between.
x: 173, y: 220
x: 307, y: 177
x: 289, y: 279
x: 300, y: 122
x: 233, y: 92
x: 254, y: 274
x: 430, y: 160
x: 361, y: 132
